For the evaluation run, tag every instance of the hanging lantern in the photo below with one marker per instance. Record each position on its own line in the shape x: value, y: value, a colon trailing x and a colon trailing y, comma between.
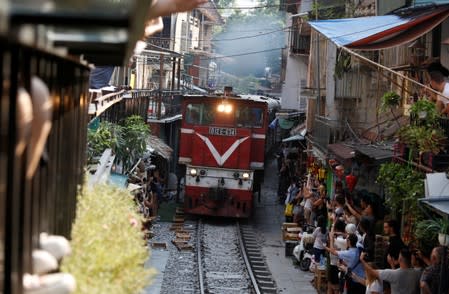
x: 351, y: 181
x: 339, y: 170
x: 321, y: 173
x: 310, y: 161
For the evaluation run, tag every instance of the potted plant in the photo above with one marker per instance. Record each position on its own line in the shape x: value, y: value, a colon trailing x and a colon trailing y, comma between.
x: 425, y: 111
x: 422, y: 138
x: 390, y: 100
x: 432, y: 228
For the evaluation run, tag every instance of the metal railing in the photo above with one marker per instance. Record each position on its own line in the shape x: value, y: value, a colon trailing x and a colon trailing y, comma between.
x: 47, y: 201
x: 161, y: 104
x: 325, y: 132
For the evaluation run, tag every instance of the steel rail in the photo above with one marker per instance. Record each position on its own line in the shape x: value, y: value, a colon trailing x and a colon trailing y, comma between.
x: 247, y: 263
x: 198, y: 252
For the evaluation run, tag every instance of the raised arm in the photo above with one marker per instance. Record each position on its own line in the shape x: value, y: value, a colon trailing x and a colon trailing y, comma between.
x: 353, y: 211
x: 368, y: 268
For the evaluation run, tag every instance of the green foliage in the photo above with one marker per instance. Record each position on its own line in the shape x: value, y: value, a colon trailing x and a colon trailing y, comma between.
x: 390, y: 100
x: 424, y: 106
x: 334, y: 10
x: 128, y: 142
x: 422, y: 138
x: 107, y: 252
x: 426, y: 231
x: 403, y: 187
x: 108, y: 135
x: 135, y: 134
x: 343, y: 64
x: 423, y: 134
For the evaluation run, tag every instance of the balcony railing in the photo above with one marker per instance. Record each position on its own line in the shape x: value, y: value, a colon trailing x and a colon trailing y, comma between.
x: 160, y: 42
x: 426, y: 161
x: 326, y: 132
x: 45, y: 202
x: 161, y: 104
x: 299, y: 44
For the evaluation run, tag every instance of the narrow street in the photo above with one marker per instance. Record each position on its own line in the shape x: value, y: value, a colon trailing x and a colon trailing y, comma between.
x: 267, y: 220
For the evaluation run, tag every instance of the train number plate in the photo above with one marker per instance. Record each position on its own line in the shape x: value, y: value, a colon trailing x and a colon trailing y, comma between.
x: 222, y: 131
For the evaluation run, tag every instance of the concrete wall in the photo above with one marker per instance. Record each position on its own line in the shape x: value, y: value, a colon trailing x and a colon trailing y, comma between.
x: 331, y: 111
x: 295, y: 72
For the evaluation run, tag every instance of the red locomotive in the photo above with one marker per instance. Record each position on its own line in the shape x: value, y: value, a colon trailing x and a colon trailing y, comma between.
x: 222, y: 146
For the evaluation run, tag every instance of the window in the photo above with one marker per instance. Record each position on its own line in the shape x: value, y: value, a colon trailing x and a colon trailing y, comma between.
x: 249, y: 117
x: 199, y: 114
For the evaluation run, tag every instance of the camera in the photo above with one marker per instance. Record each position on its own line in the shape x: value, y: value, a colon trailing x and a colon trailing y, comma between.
x: 348, y: 274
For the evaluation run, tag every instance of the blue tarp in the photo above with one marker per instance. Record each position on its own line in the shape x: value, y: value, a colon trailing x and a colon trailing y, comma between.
x: 100, y: 77
x: 378, y: 32
x: 348, y: 30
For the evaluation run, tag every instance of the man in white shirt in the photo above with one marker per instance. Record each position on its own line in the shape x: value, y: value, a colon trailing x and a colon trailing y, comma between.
x: 404, y: 280
x: 439, y: 83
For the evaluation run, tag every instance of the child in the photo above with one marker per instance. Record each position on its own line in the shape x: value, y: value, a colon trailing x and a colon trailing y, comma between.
x: 320, y: 235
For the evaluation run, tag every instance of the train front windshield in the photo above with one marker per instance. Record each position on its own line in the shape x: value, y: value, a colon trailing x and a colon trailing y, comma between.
x: 241, y: 116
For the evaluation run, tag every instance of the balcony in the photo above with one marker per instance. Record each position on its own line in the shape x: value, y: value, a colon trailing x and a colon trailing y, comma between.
x: 325, y: 132
x: 427, y: 161
x: 162, y: 105
x: 299, y: 44
x: 160, y: 42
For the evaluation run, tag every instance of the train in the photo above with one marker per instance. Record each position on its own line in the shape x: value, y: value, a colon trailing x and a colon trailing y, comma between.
x: 223, y: 143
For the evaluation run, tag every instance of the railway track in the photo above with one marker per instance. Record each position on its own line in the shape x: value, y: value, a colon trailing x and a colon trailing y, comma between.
x: 229, y: 260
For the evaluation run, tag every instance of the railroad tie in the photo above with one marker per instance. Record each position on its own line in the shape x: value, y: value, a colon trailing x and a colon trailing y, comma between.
x: 159, y: 245
x: 268, y: 290
x: 262, y: 272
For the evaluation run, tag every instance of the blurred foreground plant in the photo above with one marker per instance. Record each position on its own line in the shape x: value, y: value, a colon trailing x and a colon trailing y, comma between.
x: 108, y: 253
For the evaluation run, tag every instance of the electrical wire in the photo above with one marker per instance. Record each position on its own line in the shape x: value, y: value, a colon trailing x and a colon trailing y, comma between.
x: 228, y: 39
x: 242, y: 54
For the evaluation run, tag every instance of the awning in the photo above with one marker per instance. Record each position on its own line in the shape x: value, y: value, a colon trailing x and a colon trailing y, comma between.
x: 343, y: 152
x: 436, y: 186
x: 293, y: 138
x: 440, y: 205
x: 157, y: 145
x: 378, y: 32
x: 374, y: 152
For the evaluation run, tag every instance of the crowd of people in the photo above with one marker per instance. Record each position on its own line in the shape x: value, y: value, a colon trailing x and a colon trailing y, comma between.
x: 344, y: 230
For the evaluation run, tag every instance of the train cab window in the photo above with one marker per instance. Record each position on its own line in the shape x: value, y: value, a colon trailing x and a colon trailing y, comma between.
x: 249, y: 117
x: 193, y: 112
x: 199, y: 114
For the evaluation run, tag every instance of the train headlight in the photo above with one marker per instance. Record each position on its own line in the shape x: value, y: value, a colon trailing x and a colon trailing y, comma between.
x: 236, y: 175
x: 193, y: 172
x: 202, y: 172
x: 245, y: 176
x: 221, y: 107
x: 228, y: 108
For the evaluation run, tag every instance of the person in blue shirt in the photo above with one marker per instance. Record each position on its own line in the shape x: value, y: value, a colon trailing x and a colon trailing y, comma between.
x: 351, y: 260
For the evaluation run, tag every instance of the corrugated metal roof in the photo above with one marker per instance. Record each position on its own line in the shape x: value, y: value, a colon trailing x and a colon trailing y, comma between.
x: 157, y: 145
x: 375, y: 152
x: 378, y: 32
x: 342, y: 151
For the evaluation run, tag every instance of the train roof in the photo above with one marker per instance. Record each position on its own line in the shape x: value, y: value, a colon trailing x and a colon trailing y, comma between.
x: 271, y: 101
